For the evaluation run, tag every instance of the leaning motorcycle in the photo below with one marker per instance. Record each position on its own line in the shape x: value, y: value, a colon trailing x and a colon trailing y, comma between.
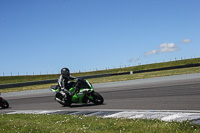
x: 3, y: 102
x: 85, y: 95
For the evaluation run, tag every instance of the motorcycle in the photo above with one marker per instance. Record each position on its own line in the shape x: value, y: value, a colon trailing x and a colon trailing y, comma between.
x: 3, y: 102
x: 85, y: 95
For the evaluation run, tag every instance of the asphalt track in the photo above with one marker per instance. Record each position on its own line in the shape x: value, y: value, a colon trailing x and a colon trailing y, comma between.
x: 181, y: 92
x: 170, y: 98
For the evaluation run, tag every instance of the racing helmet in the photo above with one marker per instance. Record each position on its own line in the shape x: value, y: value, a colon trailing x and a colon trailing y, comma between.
x: 65, y: 72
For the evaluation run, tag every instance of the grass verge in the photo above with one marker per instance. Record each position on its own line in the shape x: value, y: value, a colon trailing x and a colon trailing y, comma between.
x: 75, y: 123
x: 26, y: 88
x: 146, y: 75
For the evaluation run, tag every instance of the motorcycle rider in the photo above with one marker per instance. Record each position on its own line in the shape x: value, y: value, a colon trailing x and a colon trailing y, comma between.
x: 65, y: 85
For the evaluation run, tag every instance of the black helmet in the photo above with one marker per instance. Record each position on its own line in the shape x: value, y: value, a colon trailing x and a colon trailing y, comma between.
x: 65, y: 72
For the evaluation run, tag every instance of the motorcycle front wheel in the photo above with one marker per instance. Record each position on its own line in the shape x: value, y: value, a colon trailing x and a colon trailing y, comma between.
x: 97, y: 99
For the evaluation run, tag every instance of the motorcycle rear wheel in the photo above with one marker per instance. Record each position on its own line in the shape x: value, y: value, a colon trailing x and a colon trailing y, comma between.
x: 5, y: 104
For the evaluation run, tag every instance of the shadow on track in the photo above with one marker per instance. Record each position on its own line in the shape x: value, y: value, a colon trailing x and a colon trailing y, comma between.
x: 83, y: 105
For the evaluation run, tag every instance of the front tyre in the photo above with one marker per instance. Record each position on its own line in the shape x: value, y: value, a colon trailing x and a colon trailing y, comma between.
x: 97, y: 99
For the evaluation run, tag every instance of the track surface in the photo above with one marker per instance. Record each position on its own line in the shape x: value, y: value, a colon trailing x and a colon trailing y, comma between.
x: 166, y: 93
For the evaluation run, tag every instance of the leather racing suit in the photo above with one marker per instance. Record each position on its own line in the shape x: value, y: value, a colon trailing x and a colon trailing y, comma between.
x: 65, y: 85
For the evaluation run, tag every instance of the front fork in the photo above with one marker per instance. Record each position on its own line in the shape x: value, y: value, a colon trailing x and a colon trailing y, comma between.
x: 91, y: 96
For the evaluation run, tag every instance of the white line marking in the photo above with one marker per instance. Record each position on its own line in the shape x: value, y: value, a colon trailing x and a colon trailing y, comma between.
x: 137, y: 116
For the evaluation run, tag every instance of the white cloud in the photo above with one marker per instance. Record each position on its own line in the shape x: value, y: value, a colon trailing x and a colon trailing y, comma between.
x: 168, y: 47
x: 165, y: 47
x: 186, y: 41
x: 151, y: 52
x: 133, y: 60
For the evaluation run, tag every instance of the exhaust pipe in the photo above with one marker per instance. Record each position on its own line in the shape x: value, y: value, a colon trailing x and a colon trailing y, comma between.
x: 58, y: 100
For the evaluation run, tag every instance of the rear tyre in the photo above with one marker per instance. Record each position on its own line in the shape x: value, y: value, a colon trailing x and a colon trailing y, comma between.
x: 5, y: 104
x: 98, y: 99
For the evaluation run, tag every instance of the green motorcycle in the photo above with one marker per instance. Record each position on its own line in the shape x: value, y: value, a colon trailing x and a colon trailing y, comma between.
x: 85, y: 95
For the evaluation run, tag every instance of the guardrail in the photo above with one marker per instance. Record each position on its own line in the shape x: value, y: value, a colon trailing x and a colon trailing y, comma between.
x: 4, y: 86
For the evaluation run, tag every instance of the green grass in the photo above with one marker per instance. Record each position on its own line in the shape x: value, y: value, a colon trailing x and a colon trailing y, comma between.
x: 146, y: 75
x: 33, y: 123
x: 26, y: 88
x: 17, y: 79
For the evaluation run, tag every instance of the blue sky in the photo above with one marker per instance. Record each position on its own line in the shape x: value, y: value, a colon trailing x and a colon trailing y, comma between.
x: 42, y: 36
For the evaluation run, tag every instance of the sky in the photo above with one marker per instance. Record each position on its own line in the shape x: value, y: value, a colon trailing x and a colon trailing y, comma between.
x: 43, y: 36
